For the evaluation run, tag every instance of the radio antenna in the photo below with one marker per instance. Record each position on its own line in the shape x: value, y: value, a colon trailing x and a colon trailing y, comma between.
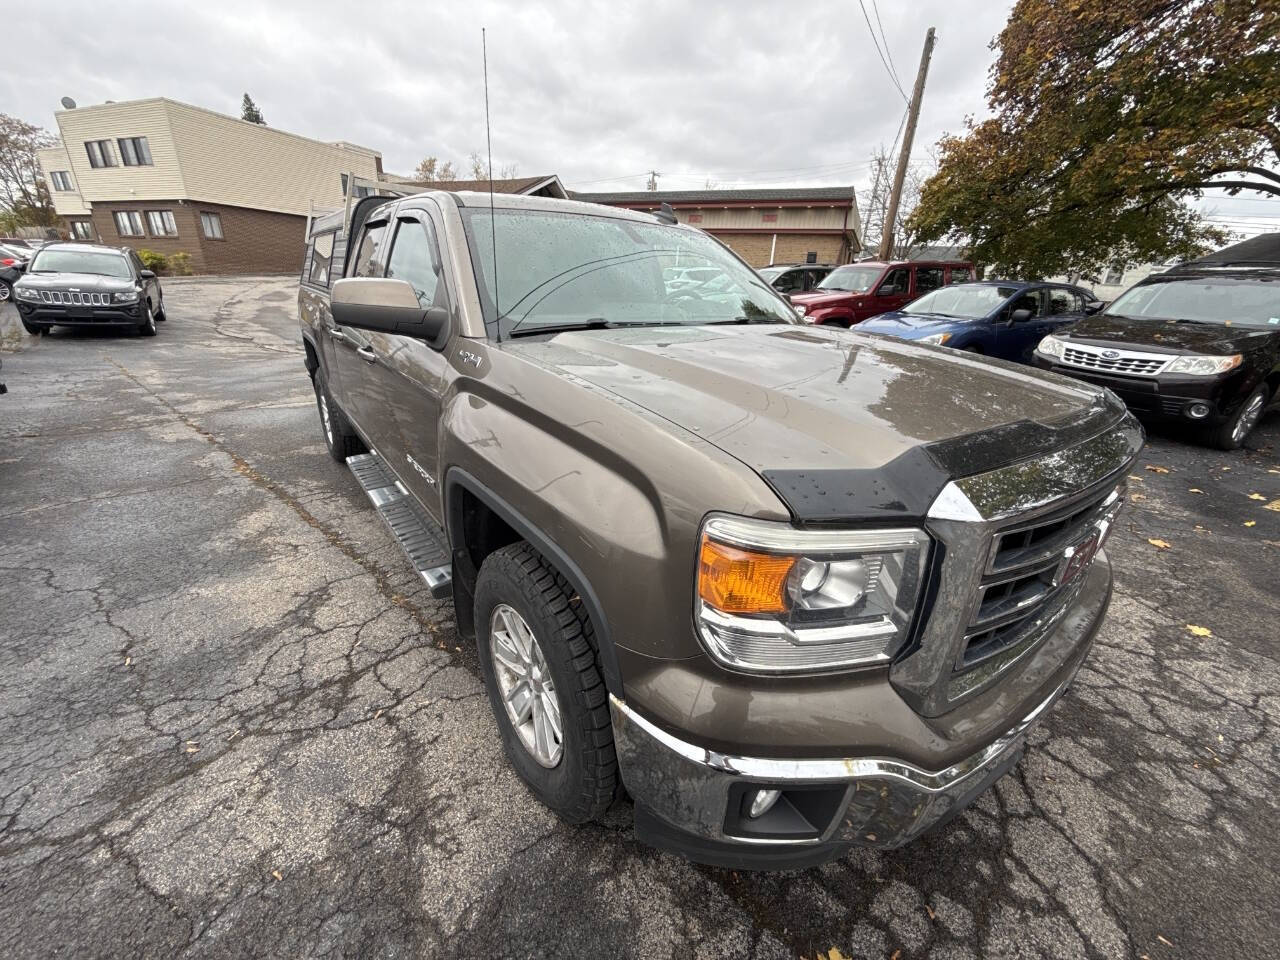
x: 493, y: 223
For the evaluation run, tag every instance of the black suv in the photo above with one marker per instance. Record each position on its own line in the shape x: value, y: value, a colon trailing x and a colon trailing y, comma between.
x: 1199, y: 343
x: 82, y: 285
x: 795, y: 277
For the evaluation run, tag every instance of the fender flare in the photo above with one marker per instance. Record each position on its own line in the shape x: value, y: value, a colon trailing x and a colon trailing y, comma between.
x: 456, y: 480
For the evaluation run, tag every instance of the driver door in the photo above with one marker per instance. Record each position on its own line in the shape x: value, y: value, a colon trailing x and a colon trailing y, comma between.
x: 894, y: 291
x: 1018, y: 339
x: 360, y: 394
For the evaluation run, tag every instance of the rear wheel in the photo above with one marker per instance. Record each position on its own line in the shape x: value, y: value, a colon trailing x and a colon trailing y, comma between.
x: 544, y: 683
x: 339, y: 436
x: 148, y: 326
x: 1233, y: 433
x: 6, y: 291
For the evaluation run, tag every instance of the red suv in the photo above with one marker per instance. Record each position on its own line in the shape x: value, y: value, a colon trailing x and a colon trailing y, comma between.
x: 858, y: 291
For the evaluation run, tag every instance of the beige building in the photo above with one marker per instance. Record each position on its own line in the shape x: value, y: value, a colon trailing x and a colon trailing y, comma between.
x: 789, y: 225
x: 170, y: 177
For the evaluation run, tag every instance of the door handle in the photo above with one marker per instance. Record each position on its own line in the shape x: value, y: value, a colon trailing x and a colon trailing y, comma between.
x: 368, y: 354
x: 337, y: 334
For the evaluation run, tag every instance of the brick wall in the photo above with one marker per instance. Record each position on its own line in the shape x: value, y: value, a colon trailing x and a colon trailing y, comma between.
x: 791, y: 248
x: 255, y: 241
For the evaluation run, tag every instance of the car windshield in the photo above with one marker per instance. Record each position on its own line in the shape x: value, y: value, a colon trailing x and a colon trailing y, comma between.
x: 81, y: 261
x: 853, y: 278
x: 969, y: 302
x: 771, y: 273
x: 565, y: 270
x: 1228, y: 301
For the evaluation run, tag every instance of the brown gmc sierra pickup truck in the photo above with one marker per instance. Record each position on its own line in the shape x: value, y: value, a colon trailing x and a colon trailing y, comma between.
x: 794, y: 588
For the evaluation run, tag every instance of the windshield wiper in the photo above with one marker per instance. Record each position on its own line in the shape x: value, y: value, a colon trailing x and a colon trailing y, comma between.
x: 741, y: 320
x: 595, y: 323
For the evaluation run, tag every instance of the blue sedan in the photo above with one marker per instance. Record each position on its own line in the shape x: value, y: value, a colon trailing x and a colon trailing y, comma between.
x: 998, y: 318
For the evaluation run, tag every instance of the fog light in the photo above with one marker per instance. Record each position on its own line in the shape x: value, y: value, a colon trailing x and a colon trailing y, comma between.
x: 763, y: 802
x: 1198, y: 411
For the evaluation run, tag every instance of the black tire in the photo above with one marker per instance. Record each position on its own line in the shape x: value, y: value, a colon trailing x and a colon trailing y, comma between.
x: 971, y: 349
x: 6, y: 291
x: 340, y: 437
x: 35, y: 329
x: 585, y: 781
x: 1232, y: 434
x: 160, y: 314
x: 147, y: 328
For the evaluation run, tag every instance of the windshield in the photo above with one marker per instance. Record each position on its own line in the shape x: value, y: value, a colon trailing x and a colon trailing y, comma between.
x: 559, y: 270
x: 961, y: 301
x: 771, y: 273
x: 1245, y: 302
x: 853, y: 278
x: 81, y: 261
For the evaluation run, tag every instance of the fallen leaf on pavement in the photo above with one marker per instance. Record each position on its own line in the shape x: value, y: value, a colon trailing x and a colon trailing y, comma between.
x: 835, y: 954
x: 896, y: 955
x: 1199, y: 631
x: 1134, y: 476
x: 1273, y: 505
x: 1195, y: 490
x: 1202, y: 529
x: 1135, y: 497
x: 1159, y: 544
x: 128, y: 660
x: 1251, y: 523
x: 1256, y: 496
x: 277, y: 874
x: 932, y: 915
x: 1167, y: 943
x: 1154, y: 469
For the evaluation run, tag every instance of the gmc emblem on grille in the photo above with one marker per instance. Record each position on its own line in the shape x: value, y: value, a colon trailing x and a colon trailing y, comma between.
x: 1111, y: 354
x: 1075, y: 559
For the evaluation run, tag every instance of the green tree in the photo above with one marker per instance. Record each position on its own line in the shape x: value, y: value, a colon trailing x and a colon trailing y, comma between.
x: 249, y: 111
x: 24, y: 197
x: 1107, y: 115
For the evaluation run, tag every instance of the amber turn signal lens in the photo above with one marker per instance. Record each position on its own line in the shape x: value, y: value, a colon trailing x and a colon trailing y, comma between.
x: 734, y: 580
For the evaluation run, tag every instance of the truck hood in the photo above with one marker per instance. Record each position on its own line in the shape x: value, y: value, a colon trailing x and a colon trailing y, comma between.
x: 825, y: 298
x: 798, y: 403
x: 1166, y: 336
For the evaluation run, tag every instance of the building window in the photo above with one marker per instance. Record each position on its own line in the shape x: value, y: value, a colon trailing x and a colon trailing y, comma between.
x: 162, y: 223
x: 135, y: 152
x: 128, y: 223
x: 61, y: 180
x: 82, y: 229
x: 211, y: 224
x: 101, y: 153
x: 1113, y: 278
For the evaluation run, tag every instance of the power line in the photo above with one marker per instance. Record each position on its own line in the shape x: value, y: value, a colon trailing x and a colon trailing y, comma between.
x: 871, y: 30
x: 885, y: 40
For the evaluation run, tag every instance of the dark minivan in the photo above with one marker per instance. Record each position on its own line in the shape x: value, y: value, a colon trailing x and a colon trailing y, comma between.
x: 1198, y: 344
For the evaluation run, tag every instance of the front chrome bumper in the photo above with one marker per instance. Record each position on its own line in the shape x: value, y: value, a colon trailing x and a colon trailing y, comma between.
x: 689, y: 791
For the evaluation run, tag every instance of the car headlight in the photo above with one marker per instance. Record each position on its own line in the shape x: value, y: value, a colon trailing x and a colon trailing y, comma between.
x: 775, y: 599
x: 1052, y: 347
x: 1204, y: 366
x: 26, y: 293
x: 800, y: 308
x: 936, y: 338
x: 125, y: 296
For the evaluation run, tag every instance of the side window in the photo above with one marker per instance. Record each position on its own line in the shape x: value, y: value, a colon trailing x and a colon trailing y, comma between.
x: 321, y: 255
x: 960, y: 275
x: 898, y: 281
x: 814, y: 278
x: 137, y: 262
x: 792, y: 281
x: 1061, y: 301
x: 1032, y: 300
x: 928, y: 278
x: 368, y: 257
x: 411, y: 260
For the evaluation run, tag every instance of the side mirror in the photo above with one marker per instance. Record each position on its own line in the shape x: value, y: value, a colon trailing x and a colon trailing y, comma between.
x: 147, y: 274
x: 1018, y: 316
x: 1094, y: 306
x: 388, y: 306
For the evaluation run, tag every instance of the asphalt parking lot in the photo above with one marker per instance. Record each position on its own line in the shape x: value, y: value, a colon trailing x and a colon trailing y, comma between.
x: 233, y: 724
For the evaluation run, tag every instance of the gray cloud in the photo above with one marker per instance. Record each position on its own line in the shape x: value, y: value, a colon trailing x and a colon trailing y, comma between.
x: 744, y: 91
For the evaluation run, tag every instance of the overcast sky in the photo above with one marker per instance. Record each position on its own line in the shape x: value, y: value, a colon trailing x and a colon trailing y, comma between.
x: 740, y: 92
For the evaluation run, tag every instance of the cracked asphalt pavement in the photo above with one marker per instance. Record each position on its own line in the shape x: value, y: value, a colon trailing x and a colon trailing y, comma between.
x: 233, y: 724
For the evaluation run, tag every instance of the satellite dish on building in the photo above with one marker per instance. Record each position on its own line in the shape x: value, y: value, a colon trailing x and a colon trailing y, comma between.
x: 68, y: 103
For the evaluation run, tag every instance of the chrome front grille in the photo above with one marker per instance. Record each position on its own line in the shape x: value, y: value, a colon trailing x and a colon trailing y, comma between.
x: 1026, y: 576
x: 75, y: 298
x: 1106, y: 360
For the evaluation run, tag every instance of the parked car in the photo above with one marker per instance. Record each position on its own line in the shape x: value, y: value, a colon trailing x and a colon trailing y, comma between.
x: 795, y: 277
x: 796, y: 588
x: 12, y: 262
x: 84, y: 285
x: 1198, y: 344
x: 856, y: 291
x: 1005, y: 319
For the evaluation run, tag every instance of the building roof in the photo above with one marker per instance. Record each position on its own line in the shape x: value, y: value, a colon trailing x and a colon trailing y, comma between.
x: 1260, y: 251
x: 525, y: 185
x: 712, y: 197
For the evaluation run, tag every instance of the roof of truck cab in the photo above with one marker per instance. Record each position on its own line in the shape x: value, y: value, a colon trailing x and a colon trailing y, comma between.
x: 507, y: 201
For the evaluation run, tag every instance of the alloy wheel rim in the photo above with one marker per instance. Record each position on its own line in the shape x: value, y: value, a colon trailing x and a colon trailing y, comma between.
x: 525, y: 684
x: 324, y: 417
x: 1247, y: 419
x: 4, y: 292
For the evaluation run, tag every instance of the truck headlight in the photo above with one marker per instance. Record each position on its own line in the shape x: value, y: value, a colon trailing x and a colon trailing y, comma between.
x: 26, y: 293
x: 800, y: 308
x: 1204, y: 366
x: 772, y: 598
x: 936, y: 338
x: 125, y: 296
x: 1052, y: 347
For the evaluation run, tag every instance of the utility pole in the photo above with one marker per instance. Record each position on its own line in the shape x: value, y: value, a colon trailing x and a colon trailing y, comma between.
x: 653, y: 180
x: 913, y: 114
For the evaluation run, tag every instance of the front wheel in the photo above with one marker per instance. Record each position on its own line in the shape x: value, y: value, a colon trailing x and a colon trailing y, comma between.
x: 544, y: 683
x: 6, y: 291
x: 1233, y: 433
x: 35, y: 329
x: 147, y: 327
